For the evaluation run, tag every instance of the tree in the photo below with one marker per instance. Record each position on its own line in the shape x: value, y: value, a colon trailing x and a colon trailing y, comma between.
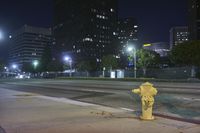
x: 46, y: 59
x: 27, y: 67
x: 2, y: 64
x: 146, y: 59
x: 55, y: 66
x: 85, y: 66
x: 187, y: 54
x: 109, y: 62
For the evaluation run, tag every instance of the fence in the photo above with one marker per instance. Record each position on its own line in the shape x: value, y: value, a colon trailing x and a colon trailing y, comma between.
x: 165, y: 73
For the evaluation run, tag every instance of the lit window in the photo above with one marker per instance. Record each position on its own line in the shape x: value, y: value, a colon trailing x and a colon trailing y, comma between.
x: 78, y: 51
x: 112, y: 10
x: 101, y: 16
x: 88, y: 39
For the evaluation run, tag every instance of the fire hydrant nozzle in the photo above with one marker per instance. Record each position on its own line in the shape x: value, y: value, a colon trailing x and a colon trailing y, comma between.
x: 147, y: 93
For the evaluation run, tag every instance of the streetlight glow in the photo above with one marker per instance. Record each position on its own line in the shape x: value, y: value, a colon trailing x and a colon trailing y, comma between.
x: 68, y: 59
x: 132, y: 50
x: 14, y: 66
x: 35, y: 63
x: 1, y: 35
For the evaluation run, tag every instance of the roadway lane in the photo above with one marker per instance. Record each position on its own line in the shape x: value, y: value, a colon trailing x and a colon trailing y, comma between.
x: 176, y: 99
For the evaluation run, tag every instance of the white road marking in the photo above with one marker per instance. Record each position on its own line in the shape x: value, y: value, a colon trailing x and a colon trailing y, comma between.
x: 126, y: 109
x: 65, y: 100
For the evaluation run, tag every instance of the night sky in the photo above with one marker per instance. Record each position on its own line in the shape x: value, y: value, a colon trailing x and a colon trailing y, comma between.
x: 154, y: 17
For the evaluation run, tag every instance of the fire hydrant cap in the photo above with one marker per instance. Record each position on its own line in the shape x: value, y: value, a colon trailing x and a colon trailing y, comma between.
x: 147, y: 84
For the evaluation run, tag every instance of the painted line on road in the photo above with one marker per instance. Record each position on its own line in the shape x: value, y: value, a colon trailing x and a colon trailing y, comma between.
x: 127, y: 109
x: 65, y: 100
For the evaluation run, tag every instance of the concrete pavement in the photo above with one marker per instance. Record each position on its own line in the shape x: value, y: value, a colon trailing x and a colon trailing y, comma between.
x: 179, y: 100
x: 22, y: 112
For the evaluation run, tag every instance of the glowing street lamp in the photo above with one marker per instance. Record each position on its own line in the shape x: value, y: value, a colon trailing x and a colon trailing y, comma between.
x: 14, y: 66
x: 35, y: 63
x: 132, y: 50
x: 68, y: 59
x: 1, y: 35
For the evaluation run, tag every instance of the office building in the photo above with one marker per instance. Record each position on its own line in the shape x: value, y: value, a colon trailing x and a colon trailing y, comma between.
x: 194, y: 19
x: 178, y: 35
x: 28, y: 44
x: 126, y: 32
x: 85, y: 28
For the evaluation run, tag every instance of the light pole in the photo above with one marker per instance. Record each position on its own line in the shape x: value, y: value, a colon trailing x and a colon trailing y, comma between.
x: 132, y: 50
x: 35, y: 64
x: 69, y: 60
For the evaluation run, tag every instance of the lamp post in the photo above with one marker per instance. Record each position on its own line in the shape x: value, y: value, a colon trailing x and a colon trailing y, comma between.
x: 132, y: 50
x: 35, y: 64
x: 69, y: 60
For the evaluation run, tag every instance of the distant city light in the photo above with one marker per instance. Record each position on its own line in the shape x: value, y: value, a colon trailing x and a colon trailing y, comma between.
x: 10, y: 36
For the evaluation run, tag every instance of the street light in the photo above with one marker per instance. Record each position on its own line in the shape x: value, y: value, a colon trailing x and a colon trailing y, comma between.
x: 132, y: 50
x: 1, y: 35
x: 35, y: 63
x: 68, y: 59
x: 14, y: 66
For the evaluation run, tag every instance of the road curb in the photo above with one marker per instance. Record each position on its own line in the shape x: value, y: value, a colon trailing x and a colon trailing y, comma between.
x: 2, y: 130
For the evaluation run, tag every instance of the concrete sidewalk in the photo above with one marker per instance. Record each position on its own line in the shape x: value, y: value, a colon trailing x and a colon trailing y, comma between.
x: 22, y: 112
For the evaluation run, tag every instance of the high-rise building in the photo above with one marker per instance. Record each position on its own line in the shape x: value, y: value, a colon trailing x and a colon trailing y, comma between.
x: 194, y: 19
x: 126, y: 32
x: 84, y: 28
x: 28, y: 44
x: 178, y: 35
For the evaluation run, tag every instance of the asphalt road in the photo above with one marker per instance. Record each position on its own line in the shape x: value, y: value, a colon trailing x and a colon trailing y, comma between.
x: 174, y: 99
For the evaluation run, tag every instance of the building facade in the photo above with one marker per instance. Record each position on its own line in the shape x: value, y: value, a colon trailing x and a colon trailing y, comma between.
x: 28, y: 44
x: 194, y: 19
x: 162, y: 48
x: 126, y: 32
x: 84, y: 28
x: 178, y: 35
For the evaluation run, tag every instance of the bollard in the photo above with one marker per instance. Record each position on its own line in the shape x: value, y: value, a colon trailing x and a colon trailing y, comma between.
x: 147, y: 93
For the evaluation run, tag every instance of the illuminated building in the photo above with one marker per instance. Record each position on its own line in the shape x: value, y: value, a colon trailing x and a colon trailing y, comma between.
x: 84, y: 28
x: 28, y: 43
x: 178, y: 35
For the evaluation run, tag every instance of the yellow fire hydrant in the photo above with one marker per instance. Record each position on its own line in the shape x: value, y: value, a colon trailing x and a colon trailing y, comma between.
x: 147, y: 93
